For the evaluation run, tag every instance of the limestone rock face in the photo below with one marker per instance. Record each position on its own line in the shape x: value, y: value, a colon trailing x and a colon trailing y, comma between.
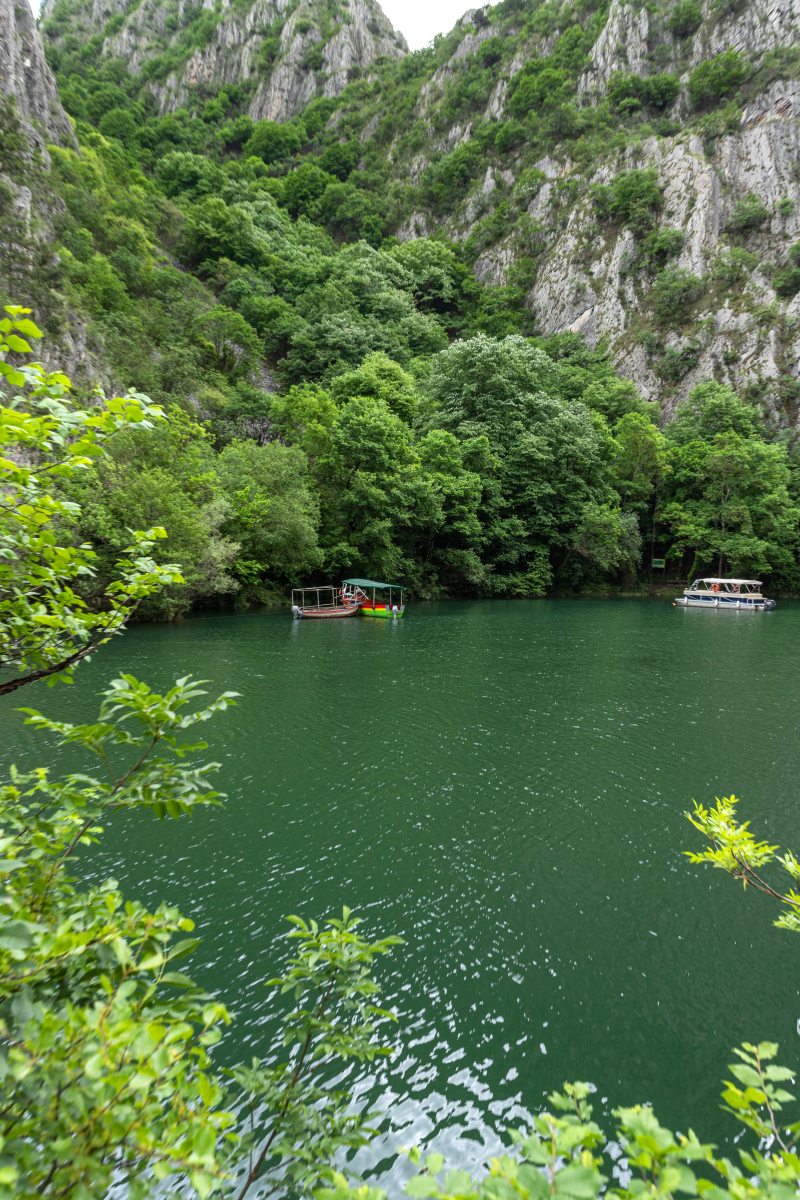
x: 585, y: 283
x: 763, y: 25
x: 25, y: 76
x: 352, y: 46
x: 314, y: 55
x: 586, y: 274
x: 622, y: 46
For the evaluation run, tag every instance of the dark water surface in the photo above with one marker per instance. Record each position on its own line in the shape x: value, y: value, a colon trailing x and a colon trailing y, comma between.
x: 502, y: 783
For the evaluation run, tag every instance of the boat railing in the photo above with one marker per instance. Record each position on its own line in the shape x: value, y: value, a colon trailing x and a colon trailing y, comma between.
x: 318, y: 603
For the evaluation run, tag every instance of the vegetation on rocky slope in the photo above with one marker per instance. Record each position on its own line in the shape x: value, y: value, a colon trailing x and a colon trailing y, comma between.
x: 303, y: 295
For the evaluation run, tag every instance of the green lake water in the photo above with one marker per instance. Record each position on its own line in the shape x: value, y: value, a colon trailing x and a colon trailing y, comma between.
x: 503, y: 784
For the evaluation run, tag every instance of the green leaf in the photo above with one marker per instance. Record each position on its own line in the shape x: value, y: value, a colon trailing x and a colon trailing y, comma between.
x: 778, y: 1073
x: 421, y: 1186
x: 534, y: 1182
x: 581, y: 1182
x: 745, y: 1074
x: 182, y: 948
x: 27, y: 327
x: 175, y: 979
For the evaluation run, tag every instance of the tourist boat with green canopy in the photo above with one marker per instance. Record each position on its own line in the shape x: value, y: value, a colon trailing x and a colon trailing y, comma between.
x: 364, y: 594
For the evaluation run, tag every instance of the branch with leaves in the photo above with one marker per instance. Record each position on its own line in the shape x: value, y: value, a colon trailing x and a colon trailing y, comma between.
x: 734, y: 849
x: 46, y: 626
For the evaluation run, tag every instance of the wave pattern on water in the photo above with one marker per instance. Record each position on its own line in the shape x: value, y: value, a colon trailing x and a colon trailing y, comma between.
x: 503, y: 784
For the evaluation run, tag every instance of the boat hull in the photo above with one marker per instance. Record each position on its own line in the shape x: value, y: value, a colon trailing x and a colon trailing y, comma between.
x: 732, y: 603
x: 326, y: 614
x: 379, y: 610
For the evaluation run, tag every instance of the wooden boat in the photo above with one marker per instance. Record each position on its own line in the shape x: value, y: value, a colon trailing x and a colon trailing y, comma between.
x: 320, y: 606
x: 741, y: 595
x: 363, y: 592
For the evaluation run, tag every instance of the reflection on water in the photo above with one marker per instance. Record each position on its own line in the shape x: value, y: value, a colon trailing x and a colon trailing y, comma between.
x: 503, y: 784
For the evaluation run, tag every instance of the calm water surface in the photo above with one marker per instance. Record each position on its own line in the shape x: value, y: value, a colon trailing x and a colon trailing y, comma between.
x: 502, y: 783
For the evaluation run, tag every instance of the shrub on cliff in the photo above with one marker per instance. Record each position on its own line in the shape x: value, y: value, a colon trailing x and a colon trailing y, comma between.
x: 685, y: 18
x: 657, y: 92
x: 787, y: 281
x: 632, y: 198
x: 673, y: 292
x: 718, y: 77
x: 748, y: 216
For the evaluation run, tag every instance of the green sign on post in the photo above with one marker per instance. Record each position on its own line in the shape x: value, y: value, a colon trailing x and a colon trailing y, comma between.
x: 659, y: 562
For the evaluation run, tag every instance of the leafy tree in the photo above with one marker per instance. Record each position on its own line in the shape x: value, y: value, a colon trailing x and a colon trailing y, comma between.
x: 118, y: 123
x: 272, y: 142
x: 449, y: 179
x: 273, y: 517
x: 393, y: 508
x: 728, y: 497
x: 685, y: 18
x: 341, y: 160
x: 167, y: 475
x: 227, y: 336
x: 638, y: 462
x: 659, y: 247
x: 539, y: 82
x: 440, y: 283
x: 632, y: 197
x: 378, y: 376
x: 46, y: 626
x: 735, y: 266
x: 655, y: 91
x: 673, y: 292
x: 717, y: 77
x: 750, y: 214
x: 303, y: 417
x: 303, y: 188
x: 545, y: 478
x: 189, y: 175
x: 787, y: 281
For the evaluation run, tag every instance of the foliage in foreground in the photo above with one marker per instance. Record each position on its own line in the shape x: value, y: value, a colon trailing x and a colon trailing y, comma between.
x: 106, y: 1047
x: 46, y: 627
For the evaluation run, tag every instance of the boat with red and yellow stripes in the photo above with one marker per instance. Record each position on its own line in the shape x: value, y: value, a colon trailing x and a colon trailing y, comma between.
x: 372, y: 599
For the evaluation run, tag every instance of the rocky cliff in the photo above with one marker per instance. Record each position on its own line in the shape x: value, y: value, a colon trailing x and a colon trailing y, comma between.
x: 283, y: 53
x: 713, y: 163
x: 508, y: 137
x: 31, y: 119
x: 26, y: 78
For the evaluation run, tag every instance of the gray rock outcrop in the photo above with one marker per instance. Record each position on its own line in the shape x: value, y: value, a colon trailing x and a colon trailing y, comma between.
x: 315, y: 56
x: 26, y: 77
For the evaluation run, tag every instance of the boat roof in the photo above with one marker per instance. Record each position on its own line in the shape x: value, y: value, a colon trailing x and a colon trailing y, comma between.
x: 373, y: 583
x: 719, y: 579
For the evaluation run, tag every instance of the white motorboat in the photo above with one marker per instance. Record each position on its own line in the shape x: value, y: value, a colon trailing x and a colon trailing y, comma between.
x: 742, y: 595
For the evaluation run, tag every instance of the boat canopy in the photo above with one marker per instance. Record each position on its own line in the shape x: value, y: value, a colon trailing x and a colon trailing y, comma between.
x: 362, y: 583
x: 716, y: 579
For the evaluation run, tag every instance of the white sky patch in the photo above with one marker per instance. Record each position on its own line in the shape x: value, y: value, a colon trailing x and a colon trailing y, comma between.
x: 419, y: 20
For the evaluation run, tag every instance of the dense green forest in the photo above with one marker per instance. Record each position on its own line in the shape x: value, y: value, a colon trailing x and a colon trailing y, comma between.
x: 343, y: 402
